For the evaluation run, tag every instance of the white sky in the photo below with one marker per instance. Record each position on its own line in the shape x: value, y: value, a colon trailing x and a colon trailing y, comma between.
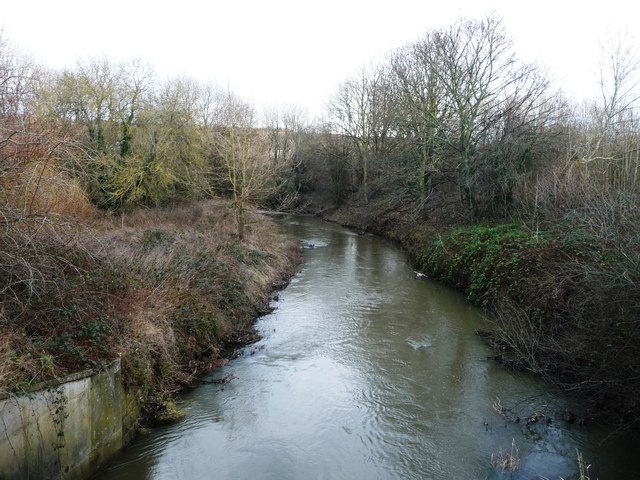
x: 287, y: 51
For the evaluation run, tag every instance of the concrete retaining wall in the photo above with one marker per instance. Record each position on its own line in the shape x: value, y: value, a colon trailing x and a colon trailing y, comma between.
x: 66, y: 431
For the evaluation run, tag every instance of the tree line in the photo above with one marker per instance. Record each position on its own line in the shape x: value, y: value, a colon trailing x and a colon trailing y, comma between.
x: 450, y: 129
x: 454, y: 117
x: 457, y: 114
x: 129, y: 140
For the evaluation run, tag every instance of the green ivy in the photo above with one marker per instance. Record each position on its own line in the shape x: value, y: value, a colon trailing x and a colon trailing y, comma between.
x: 484, y: 261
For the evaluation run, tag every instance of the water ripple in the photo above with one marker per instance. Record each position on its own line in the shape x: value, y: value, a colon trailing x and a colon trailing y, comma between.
x: 363, y: 373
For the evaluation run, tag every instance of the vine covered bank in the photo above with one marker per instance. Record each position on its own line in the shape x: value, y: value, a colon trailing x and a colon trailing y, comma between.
x: 563, y: 304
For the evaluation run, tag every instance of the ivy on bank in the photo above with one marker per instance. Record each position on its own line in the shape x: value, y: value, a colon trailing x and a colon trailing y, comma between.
x: 483, y: 261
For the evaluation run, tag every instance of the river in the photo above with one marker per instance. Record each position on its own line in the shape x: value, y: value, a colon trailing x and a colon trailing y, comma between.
x: 366, y: 372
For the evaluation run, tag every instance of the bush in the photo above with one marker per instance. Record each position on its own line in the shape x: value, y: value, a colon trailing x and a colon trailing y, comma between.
x: 564, y: 303
x: 484, y: 261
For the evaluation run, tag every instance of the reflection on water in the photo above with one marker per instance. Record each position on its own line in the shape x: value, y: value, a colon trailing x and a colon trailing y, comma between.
x: 365, y: 372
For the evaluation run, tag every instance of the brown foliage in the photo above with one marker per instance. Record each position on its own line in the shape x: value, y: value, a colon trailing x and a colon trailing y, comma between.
x: 164, y: 290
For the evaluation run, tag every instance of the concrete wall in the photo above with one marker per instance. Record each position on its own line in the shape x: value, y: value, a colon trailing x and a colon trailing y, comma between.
x: 66, y: 431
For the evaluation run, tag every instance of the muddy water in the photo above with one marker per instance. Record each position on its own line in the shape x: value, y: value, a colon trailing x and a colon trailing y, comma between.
x: 365, y: 372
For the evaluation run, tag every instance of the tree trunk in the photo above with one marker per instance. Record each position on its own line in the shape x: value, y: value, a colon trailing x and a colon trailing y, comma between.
x: 240, y: 220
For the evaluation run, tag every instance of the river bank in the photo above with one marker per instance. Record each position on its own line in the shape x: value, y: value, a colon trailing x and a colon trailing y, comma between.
x: 198, y: 291
x: 364, y: 371
x: 562, y: 305
x: 168, y: 292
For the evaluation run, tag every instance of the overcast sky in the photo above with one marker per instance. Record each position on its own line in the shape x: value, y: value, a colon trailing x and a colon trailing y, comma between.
x: 297, y: 51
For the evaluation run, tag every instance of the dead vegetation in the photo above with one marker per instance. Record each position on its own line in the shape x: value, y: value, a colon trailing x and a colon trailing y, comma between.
x: 196, y: 288
x: 507, y: 460
x: 164, y: 290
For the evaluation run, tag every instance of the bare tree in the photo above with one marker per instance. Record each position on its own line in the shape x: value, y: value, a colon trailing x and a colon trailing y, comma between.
x: 17, y: 79
x: 208, y: 105
x: 421, y: 107
x: 131, y: 96
x: 361, y: 111
x: 285, y: 125
x: 619, y: 90
x: 30, y: 146
x: 475, y: 61
x: 242, y: 153
x: 487, y: 90
x: 608, y: 130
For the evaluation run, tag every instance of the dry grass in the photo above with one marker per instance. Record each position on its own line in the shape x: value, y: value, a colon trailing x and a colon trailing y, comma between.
x: 583, y: 469
x: 165, y: 290
x: 199, y: 288
x: 42, y: 188
x: 506, y: 460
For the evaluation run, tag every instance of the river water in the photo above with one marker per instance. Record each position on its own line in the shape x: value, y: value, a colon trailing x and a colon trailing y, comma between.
x: 365, y: 372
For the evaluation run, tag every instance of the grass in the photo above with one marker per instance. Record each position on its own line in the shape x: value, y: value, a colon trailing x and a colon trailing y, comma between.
x: 167, y: 291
